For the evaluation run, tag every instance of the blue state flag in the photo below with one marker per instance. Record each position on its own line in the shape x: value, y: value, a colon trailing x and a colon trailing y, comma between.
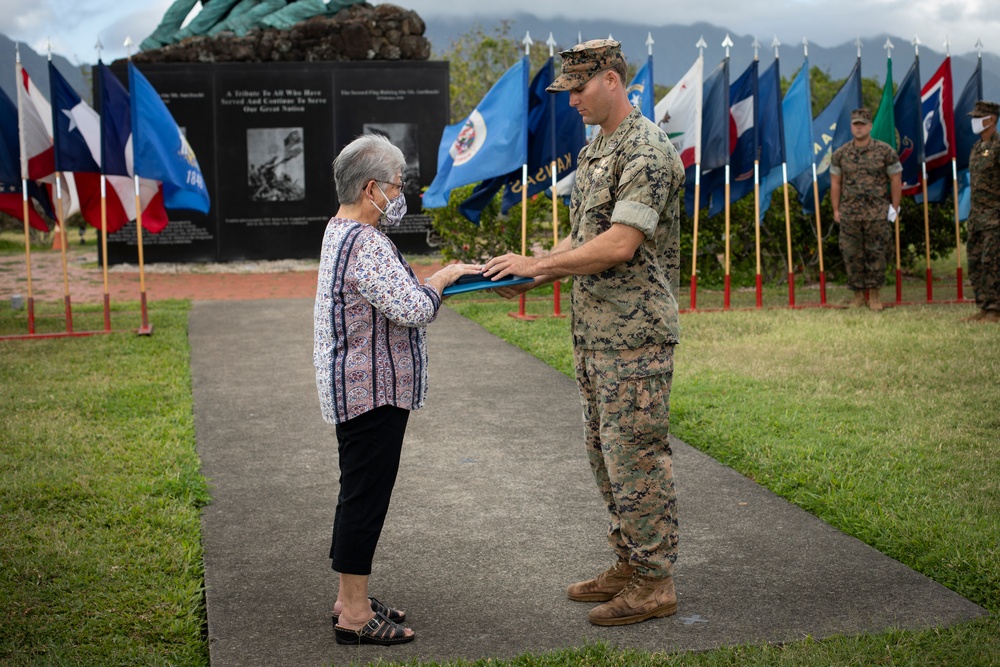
x: 910, y: 128
x: 965, y: 138
x: 490, y: 142
x: 831, y: 130
x: 796, y: 132
x: 640, y: 91
x: 160, y: 150
x: 555, y: 134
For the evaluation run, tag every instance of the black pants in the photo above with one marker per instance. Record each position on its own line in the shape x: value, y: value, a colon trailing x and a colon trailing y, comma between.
x: 369, y: 447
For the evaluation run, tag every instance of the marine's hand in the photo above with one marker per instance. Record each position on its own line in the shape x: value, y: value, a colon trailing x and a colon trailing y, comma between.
x: 510, y: 291
x: 510, y: 264
x: 452, y: 272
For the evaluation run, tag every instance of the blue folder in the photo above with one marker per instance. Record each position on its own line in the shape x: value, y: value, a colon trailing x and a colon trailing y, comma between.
x: 477, y: 281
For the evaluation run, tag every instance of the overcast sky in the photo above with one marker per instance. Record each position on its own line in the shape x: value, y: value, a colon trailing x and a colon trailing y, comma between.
x: 74, y: 26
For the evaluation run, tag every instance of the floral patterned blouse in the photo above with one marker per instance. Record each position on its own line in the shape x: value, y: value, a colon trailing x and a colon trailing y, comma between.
x: 369, y: 345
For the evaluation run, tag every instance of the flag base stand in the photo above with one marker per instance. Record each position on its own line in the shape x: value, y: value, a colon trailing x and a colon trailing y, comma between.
x: 694, y: 293
x: 899, y: 286
x: 556, y: 301
x: 760, y: 292
x: 930, y: 286
x: 822, y: 288
x: 791, y: 290
x: 107, y: 312
x: 958, y: 277
x: 520, y: 314
x: 725, y: 297
x: 146, y: 329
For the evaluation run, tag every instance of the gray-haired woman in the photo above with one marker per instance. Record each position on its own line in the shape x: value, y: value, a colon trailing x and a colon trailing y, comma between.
x: 371, y: 368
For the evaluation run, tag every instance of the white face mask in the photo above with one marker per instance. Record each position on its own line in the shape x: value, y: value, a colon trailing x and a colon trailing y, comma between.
x: 394, y: 210
x: 979, y: 124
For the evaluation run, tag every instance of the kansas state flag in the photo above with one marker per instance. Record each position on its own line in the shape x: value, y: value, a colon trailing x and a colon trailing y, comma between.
x: 640, y: 91
x: 160, y: 151
x: 492, y: 141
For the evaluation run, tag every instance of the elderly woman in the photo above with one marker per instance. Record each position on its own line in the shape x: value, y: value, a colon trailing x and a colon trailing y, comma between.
x: 371, y: 368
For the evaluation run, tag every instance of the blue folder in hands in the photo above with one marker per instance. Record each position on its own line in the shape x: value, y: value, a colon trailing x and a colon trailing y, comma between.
x: 477, y: 281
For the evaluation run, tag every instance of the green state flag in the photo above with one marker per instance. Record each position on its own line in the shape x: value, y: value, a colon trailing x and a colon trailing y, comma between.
x: 884, y: 124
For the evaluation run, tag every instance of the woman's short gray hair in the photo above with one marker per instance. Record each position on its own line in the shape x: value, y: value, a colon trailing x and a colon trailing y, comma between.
x: 369, y: 157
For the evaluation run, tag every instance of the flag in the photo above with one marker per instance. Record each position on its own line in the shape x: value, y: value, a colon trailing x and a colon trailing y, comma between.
x: 77, y: 136
x: 830, y: 130
x: 964, y: 136
x: 160, y: 150
x: 743, y: 140
x: 11, y: 198
x: 116, y: 158
x: 640, y: 91
x: 796, y: 132
x: 884, y: 124
x: 714, y: 136
x: 938, y: 117
x: 771, y: 152
x: 679, y: 114
x: 34, y: 121
x: 550, y: 118
x: 909, y: 126
x: 490, y: 142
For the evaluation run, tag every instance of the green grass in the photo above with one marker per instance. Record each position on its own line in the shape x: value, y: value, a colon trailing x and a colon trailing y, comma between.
x: 99, y: 495
x: 883, y: 425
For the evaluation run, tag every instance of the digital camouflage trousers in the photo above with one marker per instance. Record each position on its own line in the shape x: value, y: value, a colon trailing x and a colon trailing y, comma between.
x: 626, y: 412
x: 983, y: 249
x: 865, y: 246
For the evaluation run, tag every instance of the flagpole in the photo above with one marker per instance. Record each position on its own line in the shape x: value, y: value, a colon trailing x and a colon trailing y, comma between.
x: 697, y: 201
x: 888, y: 46
x: 556, y: 285
x: 60, y: 221
x: 104, y: 207
x: 146, y: 329
x: 522, y: 299
x: 24, y: 186
x: 954, y: 190
x: 726, y: 286
x: 784, y: 177
x: 756, y: 187
x: 819, y: 225
x: 927, y: 221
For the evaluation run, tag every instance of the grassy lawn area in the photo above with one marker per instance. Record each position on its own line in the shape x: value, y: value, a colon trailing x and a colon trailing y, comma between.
x: 884, y: 425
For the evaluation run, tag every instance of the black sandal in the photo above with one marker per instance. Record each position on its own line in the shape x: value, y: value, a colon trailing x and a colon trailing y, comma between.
x: 394, y: 615
x: 380, y: 630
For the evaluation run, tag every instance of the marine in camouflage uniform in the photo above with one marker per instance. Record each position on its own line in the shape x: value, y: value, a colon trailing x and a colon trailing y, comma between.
x: 625, y: 326
x: 865, y: 170
x: 983, y: 245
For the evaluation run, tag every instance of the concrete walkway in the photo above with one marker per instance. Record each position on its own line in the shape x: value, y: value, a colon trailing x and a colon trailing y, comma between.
x: 494, y: 512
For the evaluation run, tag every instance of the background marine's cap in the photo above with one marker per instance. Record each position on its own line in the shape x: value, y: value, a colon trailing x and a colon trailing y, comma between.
x: 583, y: 61
x: 984, y: 108
x: 861, y: 116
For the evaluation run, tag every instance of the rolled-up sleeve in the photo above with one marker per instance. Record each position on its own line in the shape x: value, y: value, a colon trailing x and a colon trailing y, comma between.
x: 386, y: 283
x: 642, y: 194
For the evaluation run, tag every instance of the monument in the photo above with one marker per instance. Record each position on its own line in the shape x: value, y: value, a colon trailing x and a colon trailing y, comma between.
x: 268, y: 111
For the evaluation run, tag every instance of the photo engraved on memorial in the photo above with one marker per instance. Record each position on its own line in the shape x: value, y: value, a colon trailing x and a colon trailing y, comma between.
x: 276, y: 168
x: 405, y: 137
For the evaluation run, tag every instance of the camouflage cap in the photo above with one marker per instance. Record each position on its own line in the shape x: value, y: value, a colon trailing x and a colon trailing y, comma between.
x: 861, y: 115
x: 984, y: 108
x: 583, y: 61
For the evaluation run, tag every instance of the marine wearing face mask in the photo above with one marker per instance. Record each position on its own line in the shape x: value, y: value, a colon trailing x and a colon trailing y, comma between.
x: 983, y: 242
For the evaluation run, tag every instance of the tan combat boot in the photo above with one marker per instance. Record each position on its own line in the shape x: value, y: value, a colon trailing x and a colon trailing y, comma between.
x: 642, y: 598
x: 874, y: 301
x: 604, y: 586
x: 857, y: 301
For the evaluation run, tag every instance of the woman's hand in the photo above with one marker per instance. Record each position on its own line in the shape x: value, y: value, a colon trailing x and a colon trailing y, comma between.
x: 450, y: 273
